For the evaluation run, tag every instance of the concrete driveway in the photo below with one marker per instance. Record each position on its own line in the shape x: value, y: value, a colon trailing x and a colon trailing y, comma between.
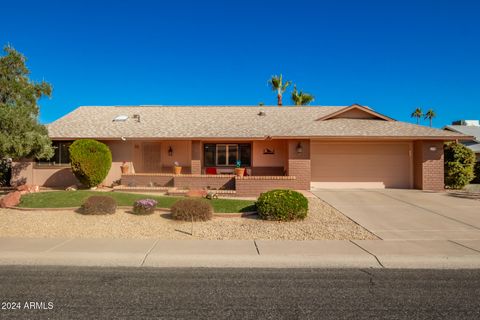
x: 408, y: 214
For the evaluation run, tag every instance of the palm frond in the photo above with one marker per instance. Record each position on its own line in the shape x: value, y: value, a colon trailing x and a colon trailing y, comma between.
x: 430, y: 114
x: 301, y: 98
x: 418, y: 113
x: 275, y: 82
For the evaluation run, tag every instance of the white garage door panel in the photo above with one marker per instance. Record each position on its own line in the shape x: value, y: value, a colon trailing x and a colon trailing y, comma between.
x: 361, y: 165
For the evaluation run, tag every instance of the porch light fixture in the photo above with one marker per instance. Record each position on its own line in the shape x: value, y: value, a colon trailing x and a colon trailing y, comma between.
x: 433, y: 149
x: 170, y: 151
x: 299, y: 148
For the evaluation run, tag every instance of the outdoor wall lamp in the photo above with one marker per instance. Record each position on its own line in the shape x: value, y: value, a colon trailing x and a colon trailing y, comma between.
x: 170, y: 151
x: 299, y: 148
x: 433, y: 148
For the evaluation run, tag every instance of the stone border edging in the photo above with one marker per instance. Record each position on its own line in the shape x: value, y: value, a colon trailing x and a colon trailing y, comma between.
x: 215, y: 214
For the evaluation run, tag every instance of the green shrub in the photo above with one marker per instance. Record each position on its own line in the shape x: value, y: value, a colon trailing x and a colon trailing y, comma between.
x: 188, y: 209
x: 459, y: 163
x: 282, y: 205
x: 90, y: 160
x: 144, y: 206
x: 99, y: 205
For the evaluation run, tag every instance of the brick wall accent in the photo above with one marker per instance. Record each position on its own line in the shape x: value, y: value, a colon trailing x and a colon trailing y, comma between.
x: 191, y: 181
x: 196, y: 167
x: 429, y: 165
x: 253, y: 186
x: 205, y: 181
x: 298, y: 164
x: 147, y: 179
x: 268, y: 171
x: 300, y: 168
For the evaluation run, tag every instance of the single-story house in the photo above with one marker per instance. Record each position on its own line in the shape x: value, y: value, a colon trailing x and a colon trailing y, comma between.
x: 303, y: 148
x: 469, y: 128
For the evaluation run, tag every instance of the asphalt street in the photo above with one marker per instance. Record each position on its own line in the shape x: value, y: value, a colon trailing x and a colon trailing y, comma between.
x: 97, y: 293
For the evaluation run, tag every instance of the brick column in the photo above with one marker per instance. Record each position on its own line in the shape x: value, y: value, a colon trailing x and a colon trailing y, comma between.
x: 196, y: 162
x: 429, y: 165
x: 299, y: 163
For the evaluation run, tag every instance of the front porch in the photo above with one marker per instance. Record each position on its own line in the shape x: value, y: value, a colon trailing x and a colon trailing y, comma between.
x: 209, y: 165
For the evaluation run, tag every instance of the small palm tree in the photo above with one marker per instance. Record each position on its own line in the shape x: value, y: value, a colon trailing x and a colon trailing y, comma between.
x: 301, y: 98
x: 418, y: 114
x: 430, y: 115
x: 276, y: 82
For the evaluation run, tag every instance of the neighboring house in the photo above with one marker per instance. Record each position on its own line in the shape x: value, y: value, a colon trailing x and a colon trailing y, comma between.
x: 281, y: 147
x: 469, y: 128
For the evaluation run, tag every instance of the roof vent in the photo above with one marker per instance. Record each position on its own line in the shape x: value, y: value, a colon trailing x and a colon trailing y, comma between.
x: 121, y: 118
x: 261, y: 113
x: 136, y: 117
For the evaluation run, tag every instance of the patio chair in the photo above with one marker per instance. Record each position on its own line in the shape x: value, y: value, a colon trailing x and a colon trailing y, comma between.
x: 210, y: 170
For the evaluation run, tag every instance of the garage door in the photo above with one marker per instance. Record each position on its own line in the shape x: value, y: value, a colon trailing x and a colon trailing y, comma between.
x: 361, y: 165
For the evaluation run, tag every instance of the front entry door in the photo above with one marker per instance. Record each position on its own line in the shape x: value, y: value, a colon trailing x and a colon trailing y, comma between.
x: 151, y: 152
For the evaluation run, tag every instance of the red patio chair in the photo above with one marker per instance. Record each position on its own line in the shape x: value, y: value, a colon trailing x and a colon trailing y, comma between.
x: 210, y: 170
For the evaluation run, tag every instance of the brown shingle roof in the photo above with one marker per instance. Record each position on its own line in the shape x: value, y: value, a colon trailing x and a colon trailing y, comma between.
x: 225, y: 122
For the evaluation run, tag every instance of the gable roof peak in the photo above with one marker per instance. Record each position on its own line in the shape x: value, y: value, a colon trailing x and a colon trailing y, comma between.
x: 356, y: 111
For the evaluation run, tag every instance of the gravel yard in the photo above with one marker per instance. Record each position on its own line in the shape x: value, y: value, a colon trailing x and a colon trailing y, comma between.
x: 323, y: 222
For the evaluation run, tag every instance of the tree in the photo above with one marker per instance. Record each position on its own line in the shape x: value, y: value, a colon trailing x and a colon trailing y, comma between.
x: 21, y: 135
x: 459, y: 165
x: 430, y: 115
x: 301, y: 98
x: 418, y: 114
x: 277, y: 84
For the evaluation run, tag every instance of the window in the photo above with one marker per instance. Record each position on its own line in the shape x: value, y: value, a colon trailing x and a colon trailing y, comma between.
x: 226, y: 154
x: 61, y: 156
x: 121, y: 118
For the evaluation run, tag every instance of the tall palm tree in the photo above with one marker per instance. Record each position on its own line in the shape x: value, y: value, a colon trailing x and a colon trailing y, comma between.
x: 276, y: 82
x: 418, y: 114
x: 430, y: 115
x: 301, y: 98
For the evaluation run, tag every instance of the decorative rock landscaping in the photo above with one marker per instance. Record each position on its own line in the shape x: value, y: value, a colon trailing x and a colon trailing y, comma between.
x: 322, y: 222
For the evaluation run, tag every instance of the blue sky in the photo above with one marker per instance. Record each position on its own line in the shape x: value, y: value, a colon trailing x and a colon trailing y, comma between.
x: 390, y: 55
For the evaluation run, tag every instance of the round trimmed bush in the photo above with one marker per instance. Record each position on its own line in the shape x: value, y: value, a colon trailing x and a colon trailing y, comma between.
x: 459, y: 164
x: 90, y: 160
x: 192, y: 209
x: 99, y: 205
x: 282, y: 205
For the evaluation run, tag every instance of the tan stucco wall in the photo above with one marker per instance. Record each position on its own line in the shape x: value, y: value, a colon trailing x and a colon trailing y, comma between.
x: 181, y: 153
x: 269, y: 160
x: 29, y: 173
x: 355, y: 114
x: 121, y: 151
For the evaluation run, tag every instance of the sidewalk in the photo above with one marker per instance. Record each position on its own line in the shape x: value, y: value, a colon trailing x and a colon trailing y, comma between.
x: 241, y: 253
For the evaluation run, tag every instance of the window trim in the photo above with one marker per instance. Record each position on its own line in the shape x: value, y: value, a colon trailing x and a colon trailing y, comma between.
x: 226, y: 145
x: 227, y: 154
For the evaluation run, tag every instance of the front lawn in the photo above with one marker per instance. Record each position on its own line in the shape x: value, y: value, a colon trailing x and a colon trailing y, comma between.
x: 63, y: 199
